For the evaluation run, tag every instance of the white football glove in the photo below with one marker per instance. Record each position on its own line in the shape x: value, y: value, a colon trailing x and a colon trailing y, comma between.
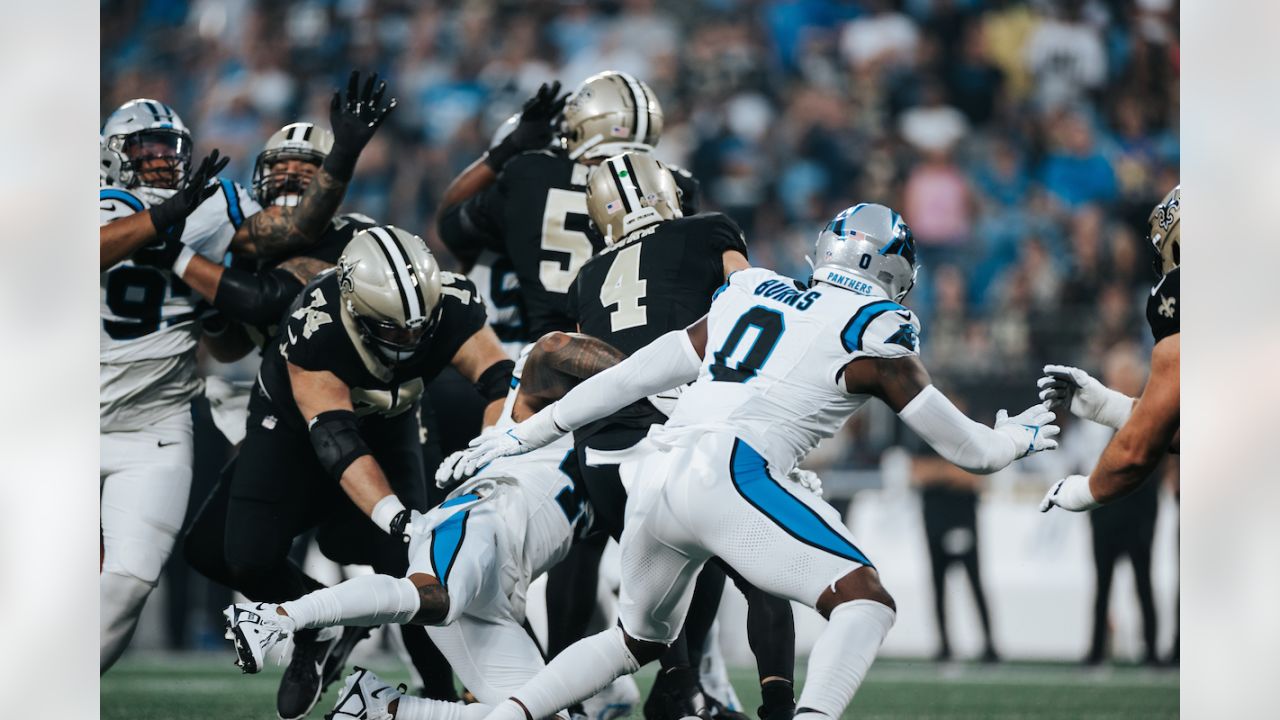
x: 1070, y: 493
x: 1031, y: 430
x: 444, y: 473
x: 1072, y: 388
x: 538, y: 431
x: 806, y: 478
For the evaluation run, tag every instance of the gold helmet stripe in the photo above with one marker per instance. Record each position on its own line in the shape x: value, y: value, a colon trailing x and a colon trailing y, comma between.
x: 399, y: 262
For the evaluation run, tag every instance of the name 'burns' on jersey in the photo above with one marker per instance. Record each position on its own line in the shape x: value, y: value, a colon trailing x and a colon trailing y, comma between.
x: 772, y: 371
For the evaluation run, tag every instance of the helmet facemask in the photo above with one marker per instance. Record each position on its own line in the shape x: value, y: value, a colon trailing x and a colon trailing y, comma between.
x: 395, y: 343
x: 276, y: 183
x: 156, y: 158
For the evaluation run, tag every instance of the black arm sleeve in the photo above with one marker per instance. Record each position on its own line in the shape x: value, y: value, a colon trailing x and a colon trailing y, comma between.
x: 259, y: 299
x: 474, y: 224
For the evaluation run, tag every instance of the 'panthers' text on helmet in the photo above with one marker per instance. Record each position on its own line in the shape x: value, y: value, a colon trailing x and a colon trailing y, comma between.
x: 296, y: 141
x: 150, y: 146
x: 629, y: 192
x: 867, y: 242
x: 611, y: 112
x: 1164, y: 231
x: 390, y: 285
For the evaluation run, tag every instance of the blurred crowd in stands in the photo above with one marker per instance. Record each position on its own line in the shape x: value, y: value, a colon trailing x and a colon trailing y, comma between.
x: 1024, y: 141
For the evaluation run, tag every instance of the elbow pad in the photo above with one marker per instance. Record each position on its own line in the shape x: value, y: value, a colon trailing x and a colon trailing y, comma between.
x: 337, y: 441
x: 961, y: 441
x: 668, y: 362
x: 259, y: 299
x: 494, y: 383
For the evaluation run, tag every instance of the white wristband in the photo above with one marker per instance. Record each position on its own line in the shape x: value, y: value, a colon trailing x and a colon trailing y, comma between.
x: 184, y: 259
x: 385, y: 511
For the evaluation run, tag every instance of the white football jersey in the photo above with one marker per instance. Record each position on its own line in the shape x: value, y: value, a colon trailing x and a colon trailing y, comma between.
x: 148, y: 315
x: 774, y: 355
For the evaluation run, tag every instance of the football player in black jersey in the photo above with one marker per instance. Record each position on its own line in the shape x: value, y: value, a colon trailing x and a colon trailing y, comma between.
x: 1146, y: 428
x: 659, y: 273
x: 332, y: 437
x: 257, y: 301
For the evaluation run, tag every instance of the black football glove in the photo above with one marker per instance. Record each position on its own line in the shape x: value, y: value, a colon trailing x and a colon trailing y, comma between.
x: 534, y: 131
x: 400, y: 526
x: 170, y: 216
x: 354, y: 120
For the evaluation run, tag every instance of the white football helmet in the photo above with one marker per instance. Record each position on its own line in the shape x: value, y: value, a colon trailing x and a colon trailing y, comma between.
x: 146, y: 144
x: 866, y: 242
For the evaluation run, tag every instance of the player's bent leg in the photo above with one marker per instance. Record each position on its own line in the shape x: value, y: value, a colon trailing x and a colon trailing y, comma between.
x: 144, y: 499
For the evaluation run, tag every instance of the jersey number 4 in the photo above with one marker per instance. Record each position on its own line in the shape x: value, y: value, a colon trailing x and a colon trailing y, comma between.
x: 624, y: 287
x: 768, y: 325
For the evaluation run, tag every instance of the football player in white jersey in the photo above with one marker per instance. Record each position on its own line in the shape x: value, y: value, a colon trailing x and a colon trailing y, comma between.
x: 776, y: 366
x: 150, y: 323
x: 471, y: 560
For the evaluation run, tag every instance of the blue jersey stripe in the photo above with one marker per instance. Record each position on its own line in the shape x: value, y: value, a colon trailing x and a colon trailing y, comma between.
x: 446, y: 540
x: 750, y: 475
x: 853, y: 331
x: 234, y: 213
x: 122, y: 196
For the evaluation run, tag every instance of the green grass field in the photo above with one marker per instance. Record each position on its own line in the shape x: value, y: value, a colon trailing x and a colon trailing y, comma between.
x: 209, y: 687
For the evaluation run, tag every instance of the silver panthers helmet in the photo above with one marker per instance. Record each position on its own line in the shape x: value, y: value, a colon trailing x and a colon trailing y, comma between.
x: 631, y: 191
x: 866, y: 242
x: 296, y: 141
x: 391, y: 287
x: 611, y: 112
x: 148, y: 144
x: 1164, y: 236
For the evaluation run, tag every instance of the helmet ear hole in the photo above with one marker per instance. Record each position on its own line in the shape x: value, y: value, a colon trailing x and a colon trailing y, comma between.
x: 1176, y: 252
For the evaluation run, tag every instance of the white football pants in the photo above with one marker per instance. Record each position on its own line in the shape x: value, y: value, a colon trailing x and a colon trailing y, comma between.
x: 145, y: 480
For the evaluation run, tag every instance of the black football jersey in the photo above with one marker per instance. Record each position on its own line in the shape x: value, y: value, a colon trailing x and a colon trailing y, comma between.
x: 641, y: 289
x: 638, y: 290
x: 316, y: 335
x: 1162, y: 307
x: 535, y: 214
x: 336, y: 235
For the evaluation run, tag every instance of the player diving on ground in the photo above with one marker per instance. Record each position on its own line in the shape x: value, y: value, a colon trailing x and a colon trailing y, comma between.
x: 776, y: 366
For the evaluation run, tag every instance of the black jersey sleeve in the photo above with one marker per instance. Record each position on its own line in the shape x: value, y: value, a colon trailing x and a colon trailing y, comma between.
x: 313, y: 335
x: 461, y: 314
x: 1163, y: 311
x: 571, y: 298
x: 475, y: 224
x: 690, y: 190
x: 723, y: 234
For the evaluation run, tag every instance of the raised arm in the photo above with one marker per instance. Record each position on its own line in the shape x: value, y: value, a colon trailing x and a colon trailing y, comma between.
x: 281, y: 230
x: 162, y: 224
x: 904, y: 385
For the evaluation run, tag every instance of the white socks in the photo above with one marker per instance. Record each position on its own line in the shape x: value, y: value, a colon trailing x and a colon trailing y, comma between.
x: 363, y: 600
x: 416, y: 708
x: 842, y: 656
x: 580, y: 671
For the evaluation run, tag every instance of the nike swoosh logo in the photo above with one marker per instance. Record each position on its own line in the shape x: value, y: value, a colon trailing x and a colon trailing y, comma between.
x: 293, y: 339
x: 904, y: 315
x: 379, y: 691
x: 161, y: 443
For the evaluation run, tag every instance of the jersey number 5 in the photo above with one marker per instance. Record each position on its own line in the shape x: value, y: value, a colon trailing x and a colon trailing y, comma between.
x: 624, y: 287
x: 769, y: 326
x: 565, y: 213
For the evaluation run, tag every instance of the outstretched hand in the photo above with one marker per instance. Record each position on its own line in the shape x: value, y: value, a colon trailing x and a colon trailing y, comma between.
x: 535, y: 129
x: 168, y: 216
x: 354, y: 119
x: 1031, y: 430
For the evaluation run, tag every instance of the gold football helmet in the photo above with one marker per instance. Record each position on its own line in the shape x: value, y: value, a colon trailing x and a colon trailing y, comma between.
x: 1164, y: 231
x: 390, y: 285
x: 631, y: 191
x: 611, y: 112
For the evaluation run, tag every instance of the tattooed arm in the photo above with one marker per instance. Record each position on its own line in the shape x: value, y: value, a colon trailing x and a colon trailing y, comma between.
x: 280, y: 231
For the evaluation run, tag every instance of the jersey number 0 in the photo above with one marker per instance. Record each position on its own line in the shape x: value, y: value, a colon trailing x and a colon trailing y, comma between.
x: 769, y: 326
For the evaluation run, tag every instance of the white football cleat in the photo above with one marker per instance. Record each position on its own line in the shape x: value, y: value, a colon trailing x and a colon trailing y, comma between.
x: 365, y: 697
x: 615, y: 701
x: 255, y: 629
